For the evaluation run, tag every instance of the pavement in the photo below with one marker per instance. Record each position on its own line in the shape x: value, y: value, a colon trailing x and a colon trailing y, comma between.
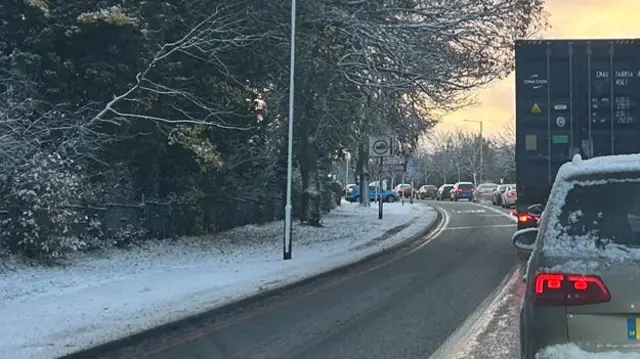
x: 439, y: 298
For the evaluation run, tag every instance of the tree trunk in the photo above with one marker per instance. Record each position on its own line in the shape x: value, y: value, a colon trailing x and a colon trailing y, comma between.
x: 363, y: 172
x: 314, y: 189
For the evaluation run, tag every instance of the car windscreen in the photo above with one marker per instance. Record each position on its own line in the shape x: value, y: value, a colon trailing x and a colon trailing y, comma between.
x: 447, y: 188
x: 603, y: 212
x: 465, y: 185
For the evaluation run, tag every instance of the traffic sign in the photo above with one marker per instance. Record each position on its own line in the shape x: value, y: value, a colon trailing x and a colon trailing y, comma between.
x: 380, y: 146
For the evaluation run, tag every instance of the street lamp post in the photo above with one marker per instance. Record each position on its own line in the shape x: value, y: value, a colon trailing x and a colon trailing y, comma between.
x: 481, y: 164
x: 286, y: 254
x: 347, y: 158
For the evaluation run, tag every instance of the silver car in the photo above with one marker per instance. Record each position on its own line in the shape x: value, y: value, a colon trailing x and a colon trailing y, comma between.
x: 509, y: 197
x: 583, y: 276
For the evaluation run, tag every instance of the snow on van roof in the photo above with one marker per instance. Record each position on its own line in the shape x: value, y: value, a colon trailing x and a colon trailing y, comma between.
x: 586, y: 257
x: 614, y: 163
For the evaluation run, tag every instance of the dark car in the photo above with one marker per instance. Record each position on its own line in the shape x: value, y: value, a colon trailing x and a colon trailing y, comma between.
x: 444, y: 192
x: 484, y: 192
x: 496, y: 199
x: 462, y: 190
x: 428, y: 191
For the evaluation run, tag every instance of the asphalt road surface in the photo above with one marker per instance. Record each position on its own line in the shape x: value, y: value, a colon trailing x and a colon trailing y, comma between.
x: 401, y: 306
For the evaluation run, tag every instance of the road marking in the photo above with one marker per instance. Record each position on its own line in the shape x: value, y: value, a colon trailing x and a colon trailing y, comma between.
x: 475, y: 324
x: 443, y: 225
x: 470, y: 211
x: 497, y: 211
x: 489, y: 226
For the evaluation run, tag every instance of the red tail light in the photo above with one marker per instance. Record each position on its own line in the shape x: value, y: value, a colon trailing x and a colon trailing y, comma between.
x: 511, y: 193
x: 459, y: 190
x: 524, y: 218
x: 569, y: 289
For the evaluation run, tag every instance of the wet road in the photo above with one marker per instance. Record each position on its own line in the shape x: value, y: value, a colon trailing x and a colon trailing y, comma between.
x: 400, y: 306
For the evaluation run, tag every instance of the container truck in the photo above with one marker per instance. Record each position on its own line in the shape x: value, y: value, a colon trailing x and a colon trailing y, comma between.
x: 572, y: 97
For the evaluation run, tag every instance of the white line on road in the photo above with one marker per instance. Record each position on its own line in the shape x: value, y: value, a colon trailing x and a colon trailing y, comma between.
x: 497, y: 211
x: 476, y: 227
x: 436, y: 233
x: 459, y: 343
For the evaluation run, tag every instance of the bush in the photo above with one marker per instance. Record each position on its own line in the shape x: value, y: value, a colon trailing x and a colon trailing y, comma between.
x: 40, y: 218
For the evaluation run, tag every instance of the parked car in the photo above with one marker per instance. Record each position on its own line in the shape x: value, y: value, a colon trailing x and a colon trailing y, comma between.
x: 428, y: 191
x: 387, y: 195
x: 582, y: 277
x: 484, y: 192
x: 462, y: 190
x: 444, y: 191
x: 404, y: 190
x: 349, y: 188
x: 496, y: 199
x: 509, y: 197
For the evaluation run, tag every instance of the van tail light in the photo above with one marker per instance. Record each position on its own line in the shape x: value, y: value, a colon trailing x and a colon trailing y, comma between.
x: 559, y: 289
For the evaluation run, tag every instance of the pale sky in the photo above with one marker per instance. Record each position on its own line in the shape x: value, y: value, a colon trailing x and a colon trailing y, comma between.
x: 568, y: 19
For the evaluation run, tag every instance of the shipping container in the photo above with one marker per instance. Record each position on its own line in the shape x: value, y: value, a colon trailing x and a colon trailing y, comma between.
x: 572, y: 96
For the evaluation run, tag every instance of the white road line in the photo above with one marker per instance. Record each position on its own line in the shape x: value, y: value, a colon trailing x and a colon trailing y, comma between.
x: 496, y: 211
x: 438, y: 231
x: 477, y: 227
x: 454, y: 347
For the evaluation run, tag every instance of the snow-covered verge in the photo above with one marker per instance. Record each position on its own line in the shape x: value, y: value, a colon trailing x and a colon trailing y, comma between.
x: 50, y: 312
x: 572, y: 351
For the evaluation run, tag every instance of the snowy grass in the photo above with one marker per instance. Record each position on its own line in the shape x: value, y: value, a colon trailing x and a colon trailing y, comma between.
x: 50, y: 312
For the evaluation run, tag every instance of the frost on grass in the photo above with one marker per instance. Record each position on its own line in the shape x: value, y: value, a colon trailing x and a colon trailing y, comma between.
x: 162, y: 281
x: 572, y: 351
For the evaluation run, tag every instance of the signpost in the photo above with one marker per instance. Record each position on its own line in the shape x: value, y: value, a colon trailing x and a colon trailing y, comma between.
x: 381, y: 147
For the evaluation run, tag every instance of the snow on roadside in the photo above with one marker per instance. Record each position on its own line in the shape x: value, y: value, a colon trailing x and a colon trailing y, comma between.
x: 50, y: 312
x: 492, y: 330
x: 572, y: 351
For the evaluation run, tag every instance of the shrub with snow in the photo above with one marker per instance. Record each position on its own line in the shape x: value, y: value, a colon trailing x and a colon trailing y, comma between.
x: 40, y: 219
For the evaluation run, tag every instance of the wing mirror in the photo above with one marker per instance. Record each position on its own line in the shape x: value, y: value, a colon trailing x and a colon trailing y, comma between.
x: 535, y: 209
x: 525, y: 239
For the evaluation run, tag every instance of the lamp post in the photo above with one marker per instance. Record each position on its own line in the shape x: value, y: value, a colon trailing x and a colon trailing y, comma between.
x: 286, y: 254
x: 347, y: 158
x: 481, y: 164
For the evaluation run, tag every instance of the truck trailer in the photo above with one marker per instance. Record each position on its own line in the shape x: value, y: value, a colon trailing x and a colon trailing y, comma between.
x: 572, y: 97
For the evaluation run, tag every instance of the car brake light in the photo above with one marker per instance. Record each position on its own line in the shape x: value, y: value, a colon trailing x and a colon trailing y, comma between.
x: 511, y: 193
x: 569, y: 289
x: 459, y: 190
x: 524, y: 218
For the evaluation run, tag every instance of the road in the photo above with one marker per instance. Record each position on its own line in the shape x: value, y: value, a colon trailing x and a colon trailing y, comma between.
x: 401, y: 306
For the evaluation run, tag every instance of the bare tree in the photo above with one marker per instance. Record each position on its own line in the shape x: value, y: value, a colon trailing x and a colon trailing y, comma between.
x: 223, y: 30
x: 27, y: 124
x: 505, y: 148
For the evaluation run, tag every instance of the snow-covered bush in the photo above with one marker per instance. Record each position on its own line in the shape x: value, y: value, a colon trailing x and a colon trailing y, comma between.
x: 41, y: 220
